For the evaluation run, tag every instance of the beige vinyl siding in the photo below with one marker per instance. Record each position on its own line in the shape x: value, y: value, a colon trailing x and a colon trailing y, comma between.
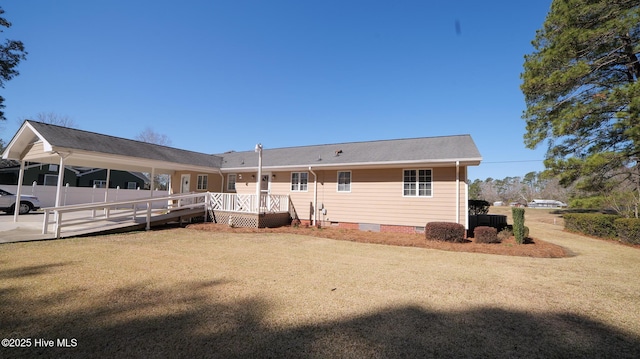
x: 213, y: 181
x: 377, y: 197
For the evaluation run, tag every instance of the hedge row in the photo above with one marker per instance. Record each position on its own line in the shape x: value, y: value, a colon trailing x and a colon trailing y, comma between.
x: 593, y: 224
x: 604, y: 225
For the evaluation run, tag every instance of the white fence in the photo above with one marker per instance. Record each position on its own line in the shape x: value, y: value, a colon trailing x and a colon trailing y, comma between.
x: 82, y: 195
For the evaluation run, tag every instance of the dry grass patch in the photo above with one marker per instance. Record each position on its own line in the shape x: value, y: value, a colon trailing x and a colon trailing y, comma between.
x: 189, y: 293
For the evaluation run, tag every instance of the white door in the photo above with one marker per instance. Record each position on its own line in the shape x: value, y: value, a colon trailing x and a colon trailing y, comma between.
x: 265, y: 184
x: 265, y: 189
x: 185, y: 181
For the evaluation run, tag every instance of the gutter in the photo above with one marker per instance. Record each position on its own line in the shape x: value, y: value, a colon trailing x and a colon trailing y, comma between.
x: 315, y: 195
x: 387, y: 164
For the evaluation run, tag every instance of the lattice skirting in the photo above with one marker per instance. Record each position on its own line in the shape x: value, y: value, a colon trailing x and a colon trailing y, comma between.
x: 263, y: 220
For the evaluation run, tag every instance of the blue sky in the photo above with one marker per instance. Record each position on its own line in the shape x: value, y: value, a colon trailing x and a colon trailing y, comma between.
x: 224, y: 75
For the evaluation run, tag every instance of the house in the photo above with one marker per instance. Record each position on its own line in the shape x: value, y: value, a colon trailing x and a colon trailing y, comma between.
x: 47, y: 175
x: 388, y: 185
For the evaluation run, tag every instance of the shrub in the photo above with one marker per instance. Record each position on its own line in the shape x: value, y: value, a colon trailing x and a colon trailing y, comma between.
x: 478, y: 206
x: 506, y: 233
x: 444, y: 231
x: 592, y: 224
x: 518, y: 224
x: 628, y: 230
x: 484, y: 234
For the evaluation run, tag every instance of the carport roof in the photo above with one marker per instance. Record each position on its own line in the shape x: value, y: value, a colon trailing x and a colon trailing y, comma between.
x: 45, y: 143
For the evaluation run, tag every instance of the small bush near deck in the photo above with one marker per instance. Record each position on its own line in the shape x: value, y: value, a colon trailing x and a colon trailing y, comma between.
x: 628, y: 230
x: 484, y: 234
x: 444, y: 231
x: 592, y: 224
x: 518, y: 224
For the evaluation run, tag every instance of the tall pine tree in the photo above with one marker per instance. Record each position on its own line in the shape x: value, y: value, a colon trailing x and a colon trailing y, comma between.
x: 582, y: 91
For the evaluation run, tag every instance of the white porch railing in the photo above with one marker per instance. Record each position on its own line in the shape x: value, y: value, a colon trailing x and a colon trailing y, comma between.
x: 128, y: 210
x: 246, y: 203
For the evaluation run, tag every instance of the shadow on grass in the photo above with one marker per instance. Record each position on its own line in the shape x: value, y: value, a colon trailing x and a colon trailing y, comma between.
x: 200, y: 319
x: 29, y: 271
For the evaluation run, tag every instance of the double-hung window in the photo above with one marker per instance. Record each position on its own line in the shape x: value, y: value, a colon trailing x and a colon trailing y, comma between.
x: 417, y: 183
x: 203, y: 182
x: 299, y: 181
x: 344, y: 181
x: 231, y: 182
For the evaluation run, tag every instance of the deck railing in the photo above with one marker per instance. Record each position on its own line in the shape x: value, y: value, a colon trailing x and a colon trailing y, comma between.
x: 125, y: 210
x: 247, y: 203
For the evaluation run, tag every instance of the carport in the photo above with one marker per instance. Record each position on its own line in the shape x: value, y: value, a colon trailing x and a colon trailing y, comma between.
x: 51, y: 144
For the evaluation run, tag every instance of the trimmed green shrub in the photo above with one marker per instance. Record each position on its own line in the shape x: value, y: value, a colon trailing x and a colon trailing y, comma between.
x: 628, y: 230
x: 444, y: 231
x: 478, y: 206
x: 484, y: 234
x: 592, y: 224
x: 518, y: 224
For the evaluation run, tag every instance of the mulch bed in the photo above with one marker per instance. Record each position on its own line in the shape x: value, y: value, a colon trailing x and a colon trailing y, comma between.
x: 532, y: 248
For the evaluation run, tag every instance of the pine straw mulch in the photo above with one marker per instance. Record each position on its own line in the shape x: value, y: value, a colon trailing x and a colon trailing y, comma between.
x: 532, y: 248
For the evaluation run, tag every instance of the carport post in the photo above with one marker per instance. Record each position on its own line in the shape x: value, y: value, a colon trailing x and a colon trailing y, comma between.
x: 16, y: 209
x: 153, y: 175
x: 60, y: 180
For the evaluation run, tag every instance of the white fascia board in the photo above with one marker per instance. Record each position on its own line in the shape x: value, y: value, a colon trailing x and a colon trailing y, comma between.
x: 362, y: 165
x: 21, y: 140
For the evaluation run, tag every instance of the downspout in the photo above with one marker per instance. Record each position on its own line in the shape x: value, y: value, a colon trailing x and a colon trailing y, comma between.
x: 315, y: 196
x: 457, y: 191
x: 221, y: 181
x: 466, y: 199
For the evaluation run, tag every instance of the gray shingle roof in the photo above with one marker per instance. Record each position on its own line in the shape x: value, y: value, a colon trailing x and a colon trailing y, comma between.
x: 425, y: 149
x: 65, y: 137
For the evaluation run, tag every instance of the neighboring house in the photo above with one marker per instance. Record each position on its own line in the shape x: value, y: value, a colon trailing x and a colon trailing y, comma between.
x: 47, y: 175
x: 388, y: 185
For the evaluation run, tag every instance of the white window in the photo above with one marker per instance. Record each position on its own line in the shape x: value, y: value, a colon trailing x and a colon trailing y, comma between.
x: 132, y: 185
x: 100, y: 183
x: 202, y: 182
x: 299, y: 181
x: 417, y: 183
x: 231, y: 182
x: 50, y: 180
x: 344, y: 181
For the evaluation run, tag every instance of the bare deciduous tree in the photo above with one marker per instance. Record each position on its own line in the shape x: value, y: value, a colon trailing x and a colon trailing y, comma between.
x: 151, y: 136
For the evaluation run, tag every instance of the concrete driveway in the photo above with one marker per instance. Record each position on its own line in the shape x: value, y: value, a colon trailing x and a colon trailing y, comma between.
x: 28, y: 228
